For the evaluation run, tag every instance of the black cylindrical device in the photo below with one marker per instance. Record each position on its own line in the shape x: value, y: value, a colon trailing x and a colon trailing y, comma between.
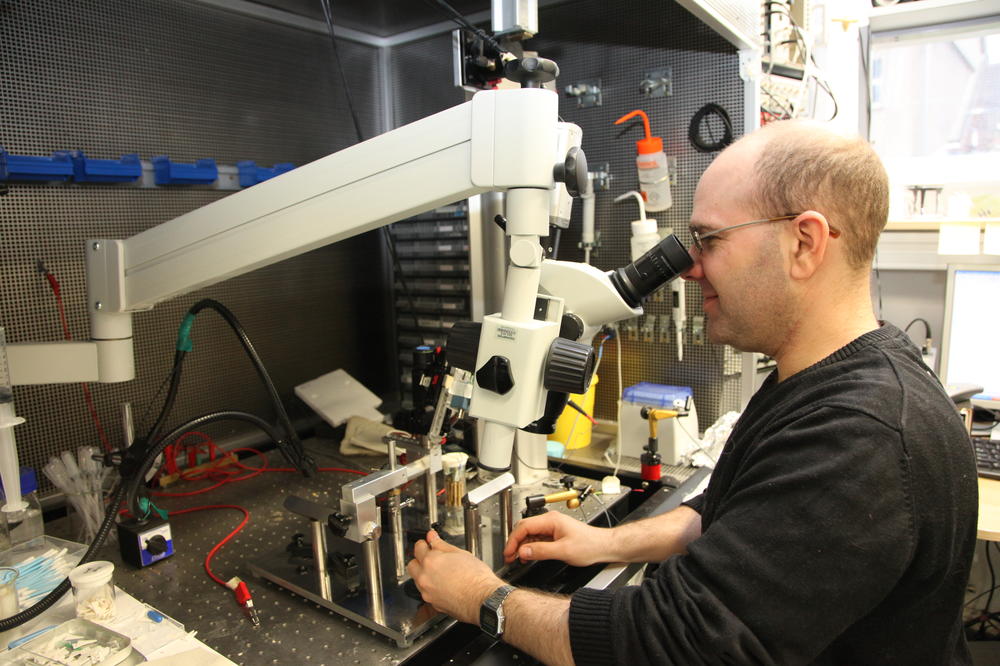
x: 652, y: 270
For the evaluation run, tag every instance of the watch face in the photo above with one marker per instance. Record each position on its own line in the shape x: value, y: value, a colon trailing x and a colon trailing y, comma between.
x: 488, y: 622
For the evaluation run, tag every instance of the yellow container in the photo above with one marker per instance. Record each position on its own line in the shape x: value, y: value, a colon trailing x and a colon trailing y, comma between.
x: 573, y: 428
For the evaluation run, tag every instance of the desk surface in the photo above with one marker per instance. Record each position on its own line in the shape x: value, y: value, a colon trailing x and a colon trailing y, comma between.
x: 989, y: 510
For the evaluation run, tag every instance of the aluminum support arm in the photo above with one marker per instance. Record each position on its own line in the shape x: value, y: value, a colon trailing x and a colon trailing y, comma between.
x: 500, y: 140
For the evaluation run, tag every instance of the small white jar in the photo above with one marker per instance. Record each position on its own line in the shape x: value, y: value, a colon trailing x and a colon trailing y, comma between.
x: 94, y: 590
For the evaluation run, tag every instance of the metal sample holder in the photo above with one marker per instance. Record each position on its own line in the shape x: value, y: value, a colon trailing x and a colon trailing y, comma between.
x: 383, y: 606
x: 342, y: 567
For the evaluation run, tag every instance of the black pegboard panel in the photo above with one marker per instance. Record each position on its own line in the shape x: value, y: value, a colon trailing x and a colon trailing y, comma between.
x: 190, y: 81
x: 617, y: 43
x: 422, y: 79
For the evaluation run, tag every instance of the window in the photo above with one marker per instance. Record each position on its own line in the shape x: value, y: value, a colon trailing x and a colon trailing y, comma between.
x: 935, y: 117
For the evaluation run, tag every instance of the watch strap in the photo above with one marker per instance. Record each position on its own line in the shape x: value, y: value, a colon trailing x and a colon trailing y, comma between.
x: 490, y: 614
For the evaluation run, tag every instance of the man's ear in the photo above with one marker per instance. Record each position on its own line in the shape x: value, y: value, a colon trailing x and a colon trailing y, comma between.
x: 811, y: 234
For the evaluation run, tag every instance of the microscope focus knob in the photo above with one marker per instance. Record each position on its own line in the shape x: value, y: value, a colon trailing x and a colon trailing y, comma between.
x: 569, y: 366
x: 571, y: 327
x: 572, y: 172
x: 531, y: 72
x: 496, y: 375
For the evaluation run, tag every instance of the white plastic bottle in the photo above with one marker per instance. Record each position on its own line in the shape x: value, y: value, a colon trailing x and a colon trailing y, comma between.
x: 651, y: 163
x: 645, y: 235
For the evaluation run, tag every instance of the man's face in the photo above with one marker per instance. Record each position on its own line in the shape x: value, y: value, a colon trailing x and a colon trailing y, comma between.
x: 743, y: 280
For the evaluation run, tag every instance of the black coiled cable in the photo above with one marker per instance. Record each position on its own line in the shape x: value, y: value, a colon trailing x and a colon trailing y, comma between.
x: 290, y: 446
x: 694, y: 129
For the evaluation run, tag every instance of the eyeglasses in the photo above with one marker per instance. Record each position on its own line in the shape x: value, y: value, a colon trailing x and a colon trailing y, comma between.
x: 700, y: 237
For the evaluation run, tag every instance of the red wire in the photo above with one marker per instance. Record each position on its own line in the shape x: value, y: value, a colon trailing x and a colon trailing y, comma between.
x: 87, y: 398
x: 97, y: 419
x: 211, y: 553
x: 172, y: 450
x: 254, y: 471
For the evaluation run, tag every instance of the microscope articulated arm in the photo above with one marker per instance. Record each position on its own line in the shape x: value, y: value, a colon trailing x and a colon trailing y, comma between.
x: 500, y: 140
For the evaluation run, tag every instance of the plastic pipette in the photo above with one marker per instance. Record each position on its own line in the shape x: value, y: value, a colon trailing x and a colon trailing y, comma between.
x: 680, y: 314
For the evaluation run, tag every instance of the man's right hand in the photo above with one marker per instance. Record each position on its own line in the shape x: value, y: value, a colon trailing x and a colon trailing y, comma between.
x: 556, y: 536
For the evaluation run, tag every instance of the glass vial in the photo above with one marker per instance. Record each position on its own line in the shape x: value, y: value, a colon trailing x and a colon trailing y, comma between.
x: 94, y: 590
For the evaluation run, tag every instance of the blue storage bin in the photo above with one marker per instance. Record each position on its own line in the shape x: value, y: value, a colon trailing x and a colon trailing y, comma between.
x: 251, y: 174
x: 59, y: 167
x: 202, y: 172
x: 89, y: 170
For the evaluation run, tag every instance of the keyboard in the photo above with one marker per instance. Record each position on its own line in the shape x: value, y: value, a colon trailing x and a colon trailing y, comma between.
x: 987, y: 456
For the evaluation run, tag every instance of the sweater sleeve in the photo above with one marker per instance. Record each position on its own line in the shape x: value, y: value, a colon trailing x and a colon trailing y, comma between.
x: 811, y: 534
x: 697, y: 502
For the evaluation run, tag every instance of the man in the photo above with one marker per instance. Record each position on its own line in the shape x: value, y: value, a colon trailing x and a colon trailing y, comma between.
x: 840, y: 521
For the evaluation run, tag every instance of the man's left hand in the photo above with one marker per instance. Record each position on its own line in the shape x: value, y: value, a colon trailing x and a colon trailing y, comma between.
x: 451, y: 579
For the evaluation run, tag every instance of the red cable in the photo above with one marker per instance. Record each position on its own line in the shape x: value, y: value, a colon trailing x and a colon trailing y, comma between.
x: 97, y: 419
x: 172, y: 450
x: 241, y: 593
x: 254, y: 471
x: 211, y: 553
x: 87, y: 398
x: 57, y: 291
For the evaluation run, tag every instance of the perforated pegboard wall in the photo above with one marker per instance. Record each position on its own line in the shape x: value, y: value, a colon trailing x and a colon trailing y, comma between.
x: 617, y: 43
x: 421, y: 76
x: 189, y: 81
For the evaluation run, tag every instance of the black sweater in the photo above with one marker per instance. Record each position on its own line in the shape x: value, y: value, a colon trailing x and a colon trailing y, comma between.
x: 838, y: 528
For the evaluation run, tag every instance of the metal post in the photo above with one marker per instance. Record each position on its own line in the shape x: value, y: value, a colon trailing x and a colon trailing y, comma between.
x: 128, y: 424
x: 432, y: 439
x: 373, y: 576
x: 319, y: 556
x: 506, y: 514
x: 432, y: 490
x: 396, y: 521
x: 472, y: 533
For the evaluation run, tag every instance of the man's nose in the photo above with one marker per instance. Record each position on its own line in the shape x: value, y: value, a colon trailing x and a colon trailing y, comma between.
x: 695, y: 272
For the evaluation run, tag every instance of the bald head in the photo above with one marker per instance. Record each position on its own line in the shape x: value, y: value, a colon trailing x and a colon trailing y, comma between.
x: 802, y: 165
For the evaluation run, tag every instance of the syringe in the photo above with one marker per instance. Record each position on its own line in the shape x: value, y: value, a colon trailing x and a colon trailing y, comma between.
x: 10, y: 472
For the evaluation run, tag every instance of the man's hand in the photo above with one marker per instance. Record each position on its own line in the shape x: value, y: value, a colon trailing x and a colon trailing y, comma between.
x: 451, y: 579
x: 556, y: 536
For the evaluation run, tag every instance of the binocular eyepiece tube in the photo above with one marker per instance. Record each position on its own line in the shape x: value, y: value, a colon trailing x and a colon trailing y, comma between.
x: 652, y: 270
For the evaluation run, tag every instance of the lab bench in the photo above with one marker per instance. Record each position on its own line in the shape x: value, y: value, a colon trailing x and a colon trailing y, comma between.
x: 293, y: 629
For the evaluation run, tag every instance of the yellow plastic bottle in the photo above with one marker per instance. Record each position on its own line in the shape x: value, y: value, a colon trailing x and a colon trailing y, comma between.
x: 573, y: 428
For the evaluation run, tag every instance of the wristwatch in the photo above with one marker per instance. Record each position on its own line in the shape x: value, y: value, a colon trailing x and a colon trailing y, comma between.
x: 491, y: 618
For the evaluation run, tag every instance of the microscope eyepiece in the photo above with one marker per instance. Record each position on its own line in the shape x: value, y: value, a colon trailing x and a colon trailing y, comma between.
x: 652, y: 270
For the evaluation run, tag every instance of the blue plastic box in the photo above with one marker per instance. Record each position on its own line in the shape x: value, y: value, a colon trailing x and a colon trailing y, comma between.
x: 656, y: 395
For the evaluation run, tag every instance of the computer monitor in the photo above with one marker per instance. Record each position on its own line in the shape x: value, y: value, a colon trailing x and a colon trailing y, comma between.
x: 970, y: 346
